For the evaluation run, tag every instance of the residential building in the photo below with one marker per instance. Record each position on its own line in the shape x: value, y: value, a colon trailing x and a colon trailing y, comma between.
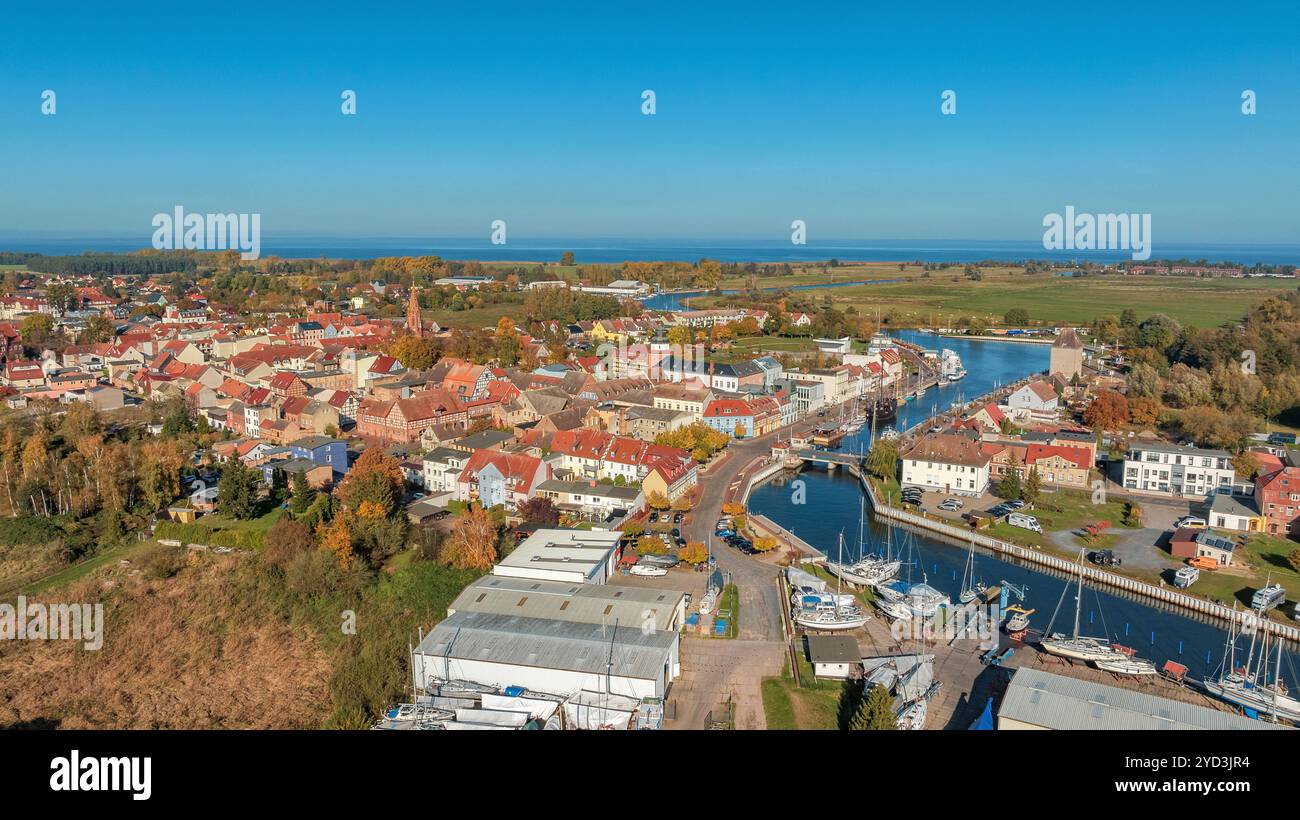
x: 1277, y: 495
x: 592, y: 500
x: 949, y: 462
x: 1177, y: 470
x: 1037, y: 397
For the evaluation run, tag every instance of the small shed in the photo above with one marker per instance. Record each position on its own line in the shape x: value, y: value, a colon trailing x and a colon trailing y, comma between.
x: 1188, y: 542
x: 833, y: 656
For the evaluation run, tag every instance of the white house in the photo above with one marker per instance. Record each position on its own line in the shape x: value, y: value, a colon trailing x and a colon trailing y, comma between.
x: 1037, y: 397
x: 946, y: 462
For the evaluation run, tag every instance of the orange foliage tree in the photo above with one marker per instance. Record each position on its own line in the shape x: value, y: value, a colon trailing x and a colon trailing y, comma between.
x: 473, y: 542
x: 377, y: 478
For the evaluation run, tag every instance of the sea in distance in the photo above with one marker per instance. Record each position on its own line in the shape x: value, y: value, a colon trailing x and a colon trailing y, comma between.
x: 651, y: 250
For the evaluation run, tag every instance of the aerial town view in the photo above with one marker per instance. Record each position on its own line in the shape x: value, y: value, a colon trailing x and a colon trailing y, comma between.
x: 540, y: 378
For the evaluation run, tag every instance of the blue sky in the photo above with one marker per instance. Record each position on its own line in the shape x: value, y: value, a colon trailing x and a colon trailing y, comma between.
x: 470, y: 112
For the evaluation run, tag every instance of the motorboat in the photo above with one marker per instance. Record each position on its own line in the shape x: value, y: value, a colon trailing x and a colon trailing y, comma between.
x: 894, y: 610
x: 1017, y: 620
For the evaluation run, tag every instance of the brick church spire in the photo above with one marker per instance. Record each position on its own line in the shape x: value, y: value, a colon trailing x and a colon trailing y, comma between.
x: 413, y: 322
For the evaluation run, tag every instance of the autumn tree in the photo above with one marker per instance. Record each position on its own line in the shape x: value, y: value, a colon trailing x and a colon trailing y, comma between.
x: 1108, y: 411
x: 695, y: 552
x: 540, y: 511
x: 335, y: 538
x: 286, y: 540
x: 506, y: 343
x: 473, y: 541
x: 376, y: 476
x: 414, y: 352
x: 657, y: 501
x: 1143, y: 410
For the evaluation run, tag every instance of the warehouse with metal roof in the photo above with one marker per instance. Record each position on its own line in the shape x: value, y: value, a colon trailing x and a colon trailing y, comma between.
x: 580, y: 603
x: 552, y: 656
x: 576, y: 556
x: 1041, y: 700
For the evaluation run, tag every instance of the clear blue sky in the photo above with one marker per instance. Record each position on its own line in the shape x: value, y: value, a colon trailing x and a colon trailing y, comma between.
x: 530, y: 112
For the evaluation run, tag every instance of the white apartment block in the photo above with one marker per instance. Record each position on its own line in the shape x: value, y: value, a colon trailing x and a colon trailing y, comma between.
x: 1169, y: 469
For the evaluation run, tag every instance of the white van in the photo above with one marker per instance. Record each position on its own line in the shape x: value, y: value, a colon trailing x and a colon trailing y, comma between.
x: 1024, y: 522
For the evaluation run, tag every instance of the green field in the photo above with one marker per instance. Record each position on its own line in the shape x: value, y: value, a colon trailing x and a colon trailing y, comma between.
x: 945, y: 296
x: 816, y: 704
x: 476, y: 318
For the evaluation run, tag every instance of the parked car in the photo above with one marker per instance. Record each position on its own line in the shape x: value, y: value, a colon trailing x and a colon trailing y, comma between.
x: 677, y: 519
x: 1016, y: 504
x: 950, y: 505
x: 654, y: 517
x: 648, y: 570
x: 1193, y: 521
x: 1104, y: 558
x: 1024, y: 522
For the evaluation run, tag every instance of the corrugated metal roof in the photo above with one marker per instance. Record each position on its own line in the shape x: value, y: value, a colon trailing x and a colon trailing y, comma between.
x: 1057, y: 702
x: 563, y: 601
x: 551, y: 644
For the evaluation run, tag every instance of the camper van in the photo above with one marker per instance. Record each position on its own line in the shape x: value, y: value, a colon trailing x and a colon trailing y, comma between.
x: 1267, y: 598
x: 1024, y: 522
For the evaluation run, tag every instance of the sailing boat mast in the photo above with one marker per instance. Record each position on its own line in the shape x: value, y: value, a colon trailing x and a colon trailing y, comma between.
x: 1078, y: 597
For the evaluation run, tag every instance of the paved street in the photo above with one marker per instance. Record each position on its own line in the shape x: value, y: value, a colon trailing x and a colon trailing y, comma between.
x: 714, y: 669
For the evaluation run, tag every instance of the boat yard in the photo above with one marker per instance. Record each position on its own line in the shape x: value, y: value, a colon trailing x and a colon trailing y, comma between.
x: 967, y: 679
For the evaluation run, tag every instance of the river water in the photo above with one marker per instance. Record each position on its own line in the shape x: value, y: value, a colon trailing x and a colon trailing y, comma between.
x: 831, y: 503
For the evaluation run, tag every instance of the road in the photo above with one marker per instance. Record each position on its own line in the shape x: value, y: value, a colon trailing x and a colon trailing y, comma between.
x: 714, y: 670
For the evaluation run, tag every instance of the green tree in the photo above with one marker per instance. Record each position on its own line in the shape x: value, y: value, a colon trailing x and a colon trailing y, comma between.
x: 1032, y: 488
x: 303, y: 494
x: 1009, y: 487
x: 882, y: 460
x: 876, y: 711
x: 237, y: 490
x: 1016, y: 317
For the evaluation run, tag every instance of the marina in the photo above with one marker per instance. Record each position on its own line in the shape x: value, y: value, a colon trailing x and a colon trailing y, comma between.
x: 1134, y: 633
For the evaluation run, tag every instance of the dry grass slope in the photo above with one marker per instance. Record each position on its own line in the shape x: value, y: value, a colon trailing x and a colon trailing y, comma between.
x: 186, y: 652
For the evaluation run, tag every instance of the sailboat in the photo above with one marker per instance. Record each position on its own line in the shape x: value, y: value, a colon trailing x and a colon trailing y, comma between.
x: 970, y: 588
x: 869, y: 570
x: 923, y: 600
x: 1076, y: 646
x: 832, y: 612
x: 1248, y: 686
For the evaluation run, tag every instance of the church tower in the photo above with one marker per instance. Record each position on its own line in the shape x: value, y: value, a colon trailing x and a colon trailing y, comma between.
x: 413, y: 322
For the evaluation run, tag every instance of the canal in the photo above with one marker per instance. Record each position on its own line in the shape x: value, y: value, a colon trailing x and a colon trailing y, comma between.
x: 830, y: 504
